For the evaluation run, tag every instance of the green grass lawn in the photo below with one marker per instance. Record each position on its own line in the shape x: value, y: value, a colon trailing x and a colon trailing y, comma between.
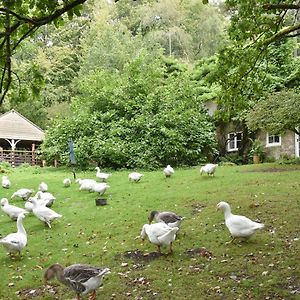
x: 202, y: 266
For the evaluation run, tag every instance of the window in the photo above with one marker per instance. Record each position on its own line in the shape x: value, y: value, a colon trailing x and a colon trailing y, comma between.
x: 234, y: 141
x: 273, y: 140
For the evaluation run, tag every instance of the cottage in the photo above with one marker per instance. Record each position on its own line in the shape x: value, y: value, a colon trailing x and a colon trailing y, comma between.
x: 275, y: 145
x: 19, y: 139
x: 230, y: 138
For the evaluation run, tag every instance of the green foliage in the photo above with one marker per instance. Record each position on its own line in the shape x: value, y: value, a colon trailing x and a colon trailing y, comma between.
x: 257, y: 148
x: 141, y: 117
x: 19, y: 20
x: 186, y: 30
x: 285, y: 160
x: 278, y: 112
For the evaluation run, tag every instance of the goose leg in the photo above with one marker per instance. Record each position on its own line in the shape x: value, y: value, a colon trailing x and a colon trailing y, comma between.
x: 92, y: 296
x: 158, y: 248
x: 233, y: 239
x: 170, y: 249
x: 78, y: 297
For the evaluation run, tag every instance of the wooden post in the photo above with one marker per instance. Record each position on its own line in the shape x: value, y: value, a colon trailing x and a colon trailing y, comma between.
x: 33, y: 154
x: 13, y: 158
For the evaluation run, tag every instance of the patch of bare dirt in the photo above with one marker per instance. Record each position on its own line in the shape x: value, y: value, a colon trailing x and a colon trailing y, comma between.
x: 272, y: 170
x: 39, y: 291
x: 137, y: 255
x: 197, y: 208
x: 199, y: 252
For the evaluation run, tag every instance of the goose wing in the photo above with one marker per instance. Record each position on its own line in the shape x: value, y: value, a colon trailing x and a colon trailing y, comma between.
x: 14, y: 239
x: 157, y: 229
x: 240, y: 224
x: 76, y: 275
x: 168, y: 217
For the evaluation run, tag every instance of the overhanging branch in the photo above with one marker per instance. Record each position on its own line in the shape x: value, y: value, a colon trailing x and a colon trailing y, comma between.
x: 281, y: 34
x: 280, y: 6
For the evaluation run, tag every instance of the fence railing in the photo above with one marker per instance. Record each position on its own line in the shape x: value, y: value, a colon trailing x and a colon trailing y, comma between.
x: 18, y: 157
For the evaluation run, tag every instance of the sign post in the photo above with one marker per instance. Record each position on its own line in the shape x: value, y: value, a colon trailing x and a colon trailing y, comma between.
x: 72, y: 156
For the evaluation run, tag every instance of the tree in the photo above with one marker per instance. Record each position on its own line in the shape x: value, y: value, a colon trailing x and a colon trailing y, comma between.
x: 258, y: 34
x: 276, y: 113
x: 19, y: 19
x: 187, y: 30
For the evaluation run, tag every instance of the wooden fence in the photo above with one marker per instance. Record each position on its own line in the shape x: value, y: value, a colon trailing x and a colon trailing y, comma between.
x: 18, y: 157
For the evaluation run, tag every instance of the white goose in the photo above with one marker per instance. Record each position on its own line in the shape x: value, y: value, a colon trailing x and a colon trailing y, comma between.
x: 67, y: 182
x: 102, y: 176
x: 170, y: 218
x: 22, y: 193
x: 45, y: 197
x: 5, y: 182
x: 238, y: 226
x: 168, y: 171
x: 159, y: 234
x: 135, y: 176
x: 15, y: 242
x: 100, y: 187
x: 209, y: 169
x: 43, y: 187
x: 11, y: 210
x: 86, y: 184
x: 43, y: 213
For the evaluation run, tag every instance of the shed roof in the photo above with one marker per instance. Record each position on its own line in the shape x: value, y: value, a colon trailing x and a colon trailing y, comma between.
x: 15, y: 126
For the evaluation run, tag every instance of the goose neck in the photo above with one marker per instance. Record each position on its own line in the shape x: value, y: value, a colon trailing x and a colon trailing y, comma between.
x: 20, y: 226
x: 227, y: 212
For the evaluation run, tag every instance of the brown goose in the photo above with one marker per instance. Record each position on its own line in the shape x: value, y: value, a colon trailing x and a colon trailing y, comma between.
x: 83, y: 279
x: 170, y: 218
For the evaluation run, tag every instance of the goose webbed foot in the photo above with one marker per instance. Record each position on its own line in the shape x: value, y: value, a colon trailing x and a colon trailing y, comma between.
x: 231, y: 241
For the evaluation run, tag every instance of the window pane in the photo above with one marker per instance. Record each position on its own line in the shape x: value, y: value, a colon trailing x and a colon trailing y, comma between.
x: 276, y: 138
x: 239, y: 136
x: 271, y: 139
x: 231, y: 144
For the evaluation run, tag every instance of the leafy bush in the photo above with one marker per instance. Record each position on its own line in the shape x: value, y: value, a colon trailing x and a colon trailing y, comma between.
x: 5, y: 166
x: 287, y: 160
x: 141, y: 118
x: 233, y: 158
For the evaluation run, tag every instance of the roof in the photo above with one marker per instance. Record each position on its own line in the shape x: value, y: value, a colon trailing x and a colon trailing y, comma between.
x: 15, y: 126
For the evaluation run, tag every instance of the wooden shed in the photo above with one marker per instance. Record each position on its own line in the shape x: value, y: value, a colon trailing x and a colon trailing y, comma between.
x: 19, y: 139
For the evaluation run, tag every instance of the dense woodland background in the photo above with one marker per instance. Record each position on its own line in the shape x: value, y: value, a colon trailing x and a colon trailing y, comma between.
x: 128, y: 80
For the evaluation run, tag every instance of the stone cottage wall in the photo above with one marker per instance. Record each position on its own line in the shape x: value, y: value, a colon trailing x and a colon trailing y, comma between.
x: 287, y: 146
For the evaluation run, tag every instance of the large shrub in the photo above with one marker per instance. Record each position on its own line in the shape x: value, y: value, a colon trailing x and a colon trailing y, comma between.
x: 142, y: 118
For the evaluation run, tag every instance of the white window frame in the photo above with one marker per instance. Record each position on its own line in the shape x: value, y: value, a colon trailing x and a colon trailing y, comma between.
x: 274, y: 144
x: 235, y: 140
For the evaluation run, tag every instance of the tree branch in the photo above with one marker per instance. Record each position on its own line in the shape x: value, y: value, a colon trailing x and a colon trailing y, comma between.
x: 280, y: 6
x: 281, y: 34
x: 56, y: 14
x: 21, y: 18
x: 6, y: 76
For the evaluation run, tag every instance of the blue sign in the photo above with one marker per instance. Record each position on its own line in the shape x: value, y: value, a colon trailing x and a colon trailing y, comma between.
x: 71, y: 152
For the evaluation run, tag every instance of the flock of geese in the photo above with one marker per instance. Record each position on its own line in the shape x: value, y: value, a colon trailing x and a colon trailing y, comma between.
x: 85, y: 279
